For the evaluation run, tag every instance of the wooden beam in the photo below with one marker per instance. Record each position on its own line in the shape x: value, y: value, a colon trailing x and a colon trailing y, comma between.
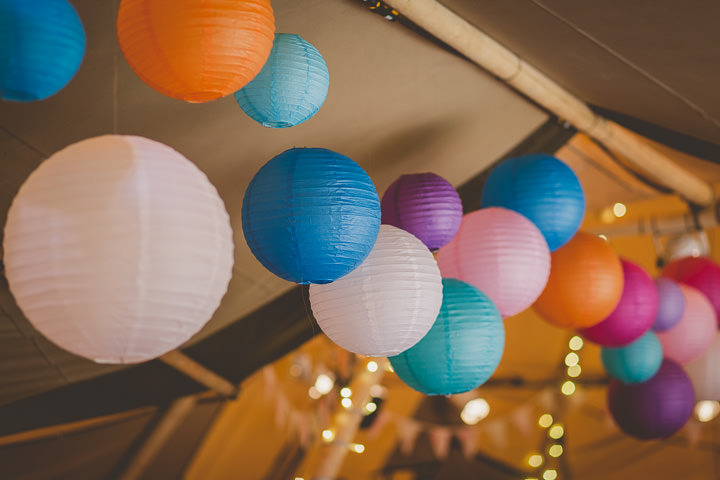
x: 456, y: 32
x: 199, y: 373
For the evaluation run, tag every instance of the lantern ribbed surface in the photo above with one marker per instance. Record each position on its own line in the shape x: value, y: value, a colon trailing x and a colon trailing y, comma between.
x: 311, y: 215
x: 42, y: 44
x: 503, y: 254
x: 693, y: 334
x: 290, y: 88
x: 196, y: 50
x: 388, y: 303
x: 701, y: 273
x: 462, y: 349
x: 585, y: 285
x: 654, y: 409
x: 704, y: 372
x: 671, y: 304
x: 118, y: 249
x: 634, y: 313
x: 636, y: 362
x: 542, y: 188
x: 424, y: 204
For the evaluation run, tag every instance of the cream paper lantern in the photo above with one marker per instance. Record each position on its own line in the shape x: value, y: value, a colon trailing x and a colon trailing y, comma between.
x: 388, y: 303
x: 704, y: 372
x: 118, y: 249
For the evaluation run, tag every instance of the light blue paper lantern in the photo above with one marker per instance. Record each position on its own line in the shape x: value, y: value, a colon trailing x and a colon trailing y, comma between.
x: 542, y: 188
x: 636, y: 362
x: 462, y: 349
x: 311, y: 215
x: 290, y: 88
x: 42, y: 44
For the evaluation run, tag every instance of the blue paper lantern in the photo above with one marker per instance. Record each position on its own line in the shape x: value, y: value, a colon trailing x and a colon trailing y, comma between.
x: 42, y: 43
x: 542, y: 188
x: 635, y: 362
x: 290, y: 88
x: 311, y: 215
x: 461, y: 350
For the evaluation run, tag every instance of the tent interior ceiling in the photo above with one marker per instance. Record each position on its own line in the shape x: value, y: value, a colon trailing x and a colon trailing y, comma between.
x: 398, y: 103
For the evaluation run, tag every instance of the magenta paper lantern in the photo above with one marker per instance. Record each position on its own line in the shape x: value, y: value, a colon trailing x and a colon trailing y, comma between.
x: 697, y: 272
x: 634, y: 313
x: 424, y: 204
x: 693, y: 334
x: 501, y: 253
x: 671, y: 304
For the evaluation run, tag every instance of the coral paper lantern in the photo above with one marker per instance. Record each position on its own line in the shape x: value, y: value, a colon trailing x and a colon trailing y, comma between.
x: 698, y: 272
x: 387, y: 303
x: 671, y: 304
x: 695, y: 331
x: 311, y: 215
x: 462, y: 349
x: 503, y: 254
x: 654, y: 409
x: 636, y: 362
x: 542, y: 188
x: 424, y: 204
x: 42, y: 44
x: 196, y: 50
x: 585, y: 285
x: 634, y: 313
x: 290, y: 88
x: 118, y: 249
x: 704, y: 372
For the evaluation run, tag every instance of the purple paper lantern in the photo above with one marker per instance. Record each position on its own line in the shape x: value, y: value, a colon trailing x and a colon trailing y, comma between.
x: 656, y: 408
x: 671, y: 304
x: 424, y: 204
x: 633, y: 315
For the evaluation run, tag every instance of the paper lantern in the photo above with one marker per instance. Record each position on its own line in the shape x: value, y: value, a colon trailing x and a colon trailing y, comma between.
x: 462, y: 349
x: 656, y: 408
x: 502, y: 254
x: 634, y: 313
x: 424, y: 204
x: 704, y: 372
x: 386, y: 304
x: 542, y: 188
x: 701, y: 273
x: 196, y: 50
x: 42, y: 44
x: 695, y: 331
x: 689, y: 244
x: 118, y: 249
x: 636, y: 362
x: 585, y: 284
x: 311, y: 215
x: 290, y: 88
x: 671, y: 304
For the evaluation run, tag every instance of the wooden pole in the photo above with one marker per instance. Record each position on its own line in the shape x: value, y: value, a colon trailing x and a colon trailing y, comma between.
x: 199, y: 373
x: 455, y: 31
x: 662, y: 225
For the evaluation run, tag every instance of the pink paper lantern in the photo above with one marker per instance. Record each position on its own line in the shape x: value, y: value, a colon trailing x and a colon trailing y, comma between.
x: 693, y: 334
x: 503, y: 254
x: 697, y: 272
x: 634, y: 313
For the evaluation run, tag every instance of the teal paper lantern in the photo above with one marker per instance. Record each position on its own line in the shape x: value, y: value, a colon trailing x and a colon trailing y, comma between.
x: 636, y: 362
x: 290, y: 88
x: 42, y: 44
x: 462, y: 349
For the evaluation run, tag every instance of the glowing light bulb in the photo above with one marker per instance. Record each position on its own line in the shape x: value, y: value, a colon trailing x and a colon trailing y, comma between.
x: 346, y: 402
x: 574, y: 371
x: 370, y: 407
x: 535, y: 460
x: 571, y: 359
x: 550, y: 474
x: 358, y: 447
x: 474, y: 411
x: 345, y: 392
x: 328, y: 435
x: 556, y: 431
x: 568, y: 388
x: 545, y: 420
x: 576, y: 343
x: 619, y: 210
x: 706, y: 410
x: 313, y: 393
x: 372, y: 366
x: 555, y: 450
x: 603, y: 236
x: 323, y: 384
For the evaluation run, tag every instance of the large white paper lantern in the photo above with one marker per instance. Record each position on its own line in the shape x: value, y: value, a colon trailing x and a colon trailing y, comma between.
x: 388, y: 303
x: 118, y: 249
x: 704, y: 372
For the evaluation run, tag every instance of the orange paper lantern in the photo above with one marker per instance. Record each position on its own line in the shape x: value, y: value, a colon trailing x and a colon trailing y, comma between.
x: 586, y: 281
x: 196, y: 50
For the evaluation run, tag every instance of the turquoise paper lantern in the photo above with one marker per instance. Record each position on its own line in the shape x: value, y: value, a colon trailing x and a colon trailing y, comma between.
x: 42, y: 44
x: 290, y: 88
x: 462, y: 349
x: 636, y: 362
x: 311, y: 215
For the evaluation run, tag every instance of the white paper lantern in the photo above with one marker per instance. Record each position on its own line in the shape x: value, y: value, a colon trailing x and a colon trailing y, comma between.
x: 118, y: 249
x: 704, y: 372
x: 388, y: 303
